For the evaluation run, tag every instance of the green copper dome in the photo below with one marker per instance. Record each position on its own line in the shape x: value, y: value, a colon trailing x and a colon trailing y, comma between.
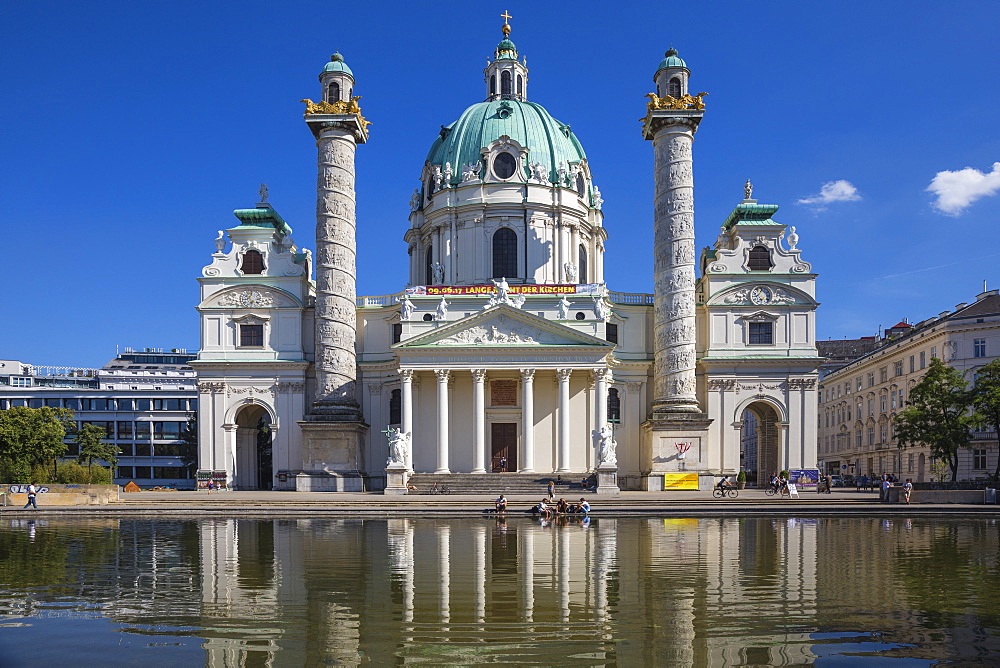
x: 337, y: 64
x: 506, y: 50
x: 671, y: 59
x: 548, y: 141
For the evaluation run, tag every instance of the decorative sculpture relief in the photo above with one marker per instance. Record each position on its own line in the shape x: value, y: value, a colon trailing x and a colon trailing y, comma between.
x: 441, y: 312
x: 598, y: 200
x: 748, y: 191
x: 601, y: 308
x: 683, y: 102
x: 399, y: 446
x: 564, y: 307
x: 501, y: 330
x: 220, y: 241
x: 438, y: 270
x: 539, y: 173
x: 607, y: 455
x: 470, y: 172
x: 248, y: 299
x: 570, y: 270
x: 415, y: 200
x: 406, y: 308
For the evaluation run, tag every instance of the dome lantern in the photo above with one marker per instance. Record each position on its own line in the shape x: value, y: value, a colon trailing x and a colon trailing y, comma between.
x: 506, y: 77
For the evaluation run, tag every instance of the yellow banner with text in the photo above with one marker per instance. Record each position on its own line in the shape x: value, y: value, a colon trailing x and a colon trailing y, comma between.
x: 680, y: 481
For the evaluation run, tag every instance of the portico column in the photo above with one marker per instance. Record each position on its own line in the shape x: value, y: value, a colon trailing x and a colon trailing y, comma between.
x: 406, y: 416
x: 442, y: 421
x: 600, y: 398
x: 528, y: 419
x: 478, y: 420
x: 563, y: 453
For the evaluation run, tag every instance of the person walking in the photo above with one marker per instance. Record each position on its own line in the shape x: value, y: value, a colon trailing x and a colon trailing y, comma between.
x: 552, y: 490
x: 32, y: 491
x: 907, y: 490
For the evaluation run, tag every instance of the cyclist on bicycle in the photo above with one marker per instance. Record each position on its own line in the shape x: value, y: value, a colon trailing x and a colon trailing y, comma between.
x: 724, y: 483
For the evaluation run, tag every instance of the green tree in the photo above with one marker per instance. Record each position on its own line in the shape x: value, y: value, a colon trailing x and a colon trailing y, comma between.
x: 92, y: 446
x: 986, y: 401
x: 33, y: 436
x: 937, y: 415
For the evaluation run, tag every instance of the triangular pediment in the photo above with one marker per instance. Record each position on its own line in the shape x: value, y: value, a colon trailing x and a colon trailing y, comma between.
x: 502, y: 325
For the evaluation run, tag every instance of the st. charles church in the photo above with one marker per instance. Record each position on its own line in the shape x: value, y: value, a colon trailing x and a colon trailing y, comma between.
x: 508, y: 353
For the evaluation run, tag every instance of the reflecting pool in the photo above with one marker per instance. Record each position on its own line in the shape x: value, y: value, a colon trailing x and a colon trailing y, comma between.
x: 634, y: 592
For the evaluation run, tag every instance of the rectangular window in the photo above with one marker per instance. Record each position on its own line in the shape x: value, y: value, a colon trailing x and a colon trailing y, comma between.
x: 72, y: 404
x: 979, y: 459
x: 53, y: 403
x: 36, y: 403
x: 143, y: 404
x: 979, y: 348
x: 142, y: 431
x: 251, y: 336
x: 883, y: 374
x: 857, y: 439
x: 170, y: 472
x: 933, y: 352
x: 859, y: 383
x: 761, y: 333
x: 397, y: 332
x: 897, y: 368
x: 125, y: 430
x: 126, y: 404
x: 871, y: 379
x: 883, y: 434
x: 126, y: 472
x: 611, y: 332
x: 871, y: 407
x: 912, y: 364
x: 923, y: 359
x: 167, y: 431
x: 871, y: 435
x: 900, y: 395
x: 143, y: 472
x: 20, y: 382
x: 909, y: 464
x: 881, y: 404
x: 893, y: 401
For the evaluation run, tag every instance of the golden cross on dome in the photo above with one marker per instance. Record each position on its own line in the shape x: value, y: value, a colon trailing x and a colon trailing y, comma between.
x: 506, y: 26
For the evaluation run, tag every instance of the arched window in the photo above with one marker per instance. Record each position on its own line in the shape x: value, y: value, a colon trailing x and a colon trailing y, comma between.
x: 493, y: 84
x: 582, y: 275
x: 253, y: 262
x: 504, y: 253
x: 760, y: 259
x: 614, y: 407
x: 395, y: 407
x: 581, y: 185
x: 333, y: 92
x: 520, y: 85
x: 674, y: 87
x: 429, y: 266
x: 505, y: 83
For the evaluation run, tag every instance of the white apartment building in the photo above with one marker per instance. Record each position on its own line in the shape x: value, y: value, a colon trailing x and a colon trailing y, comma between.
x: 859, y: 401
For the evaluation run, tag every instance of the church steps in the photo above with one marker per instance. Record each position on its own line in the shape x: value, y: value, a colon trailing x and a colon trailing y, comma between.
x: 496, y: 483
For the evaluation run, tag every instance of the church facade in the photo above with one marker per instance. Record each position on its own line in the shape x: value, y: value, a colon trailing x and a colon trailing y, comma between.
x: 507, y: 351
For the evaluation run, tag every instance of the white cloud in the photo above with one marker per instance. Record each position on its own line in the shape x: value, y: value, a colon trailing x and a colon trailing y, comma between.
x: 832, y: 191
x: 956, y: 191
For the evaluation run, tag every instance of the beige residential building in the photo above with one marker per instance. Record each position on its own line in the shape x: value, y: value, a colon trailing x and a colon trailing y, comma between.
x: 859, y: 401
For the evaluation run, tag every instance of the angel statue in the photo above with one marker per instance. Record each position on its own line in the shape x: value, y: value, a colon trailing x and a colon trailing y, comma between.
x: 606, y: 446
x: 399, y: 442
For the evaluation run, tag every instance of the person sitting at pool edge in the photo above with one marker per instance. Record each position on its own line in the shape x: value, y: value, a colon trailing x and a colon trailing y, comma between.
x: 582, y: 507
x: 501, y: 504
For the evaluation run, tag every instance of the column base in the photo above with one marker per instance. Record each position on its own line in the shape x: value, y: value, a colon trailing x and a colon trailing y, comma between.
x: 443, y: 472
x: 478, y: 471
x: 322, y: 411
x: 395, y: 480
x: 607, y: 482
x: 331, y: 456
x: 663, y: 432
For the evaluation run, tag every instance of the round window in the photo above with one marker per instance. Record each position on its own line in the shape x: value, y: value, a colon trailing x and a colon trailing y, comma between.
x: 580, y: 315
x: 504, y: 165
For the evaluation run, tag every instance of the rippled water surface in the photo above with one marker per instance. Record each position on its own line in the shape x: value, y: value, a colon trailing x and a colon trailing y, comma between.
x: 635, y: 592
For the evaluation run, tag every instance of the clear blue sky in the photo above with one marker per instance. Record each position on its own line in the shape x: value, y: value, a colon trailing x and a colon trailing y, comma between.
x: 130, y: 131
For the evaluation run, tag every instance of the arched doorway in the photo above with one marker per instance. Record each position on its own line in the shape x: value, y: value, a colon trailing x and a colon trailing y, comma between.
x: 253, y: 449
x: 761, y: 441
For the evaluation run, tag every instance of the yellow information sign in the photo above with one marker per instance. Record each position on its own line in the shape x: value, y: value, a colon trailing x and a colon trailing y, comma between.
x: 680, y: 481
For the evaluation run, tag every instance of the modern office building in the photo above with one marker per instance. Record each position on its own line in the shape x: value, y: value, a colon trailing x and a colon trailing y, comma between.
x: 143, y: 399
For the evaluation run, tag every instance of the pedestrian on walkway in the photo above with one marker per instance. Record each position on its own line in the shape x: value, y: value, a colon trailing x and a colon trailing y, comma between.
x: 32, y: 491
x: 552, y: 490
x: 907, y: 490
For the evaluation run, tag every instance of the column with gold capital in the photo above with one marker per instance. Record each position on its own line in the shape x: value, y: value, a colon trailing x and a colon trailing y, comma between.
x: 334, y: 428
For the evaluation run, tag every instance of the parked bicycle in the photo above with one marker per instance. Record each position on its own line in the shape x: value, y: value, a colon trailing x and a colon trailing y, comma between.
x: 439, y: 489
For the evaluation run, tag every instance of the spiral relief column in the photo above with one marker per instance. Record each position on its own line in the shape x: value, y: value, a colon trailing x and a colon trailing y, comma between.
x: 675, y: 415
x: 334, y: 429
